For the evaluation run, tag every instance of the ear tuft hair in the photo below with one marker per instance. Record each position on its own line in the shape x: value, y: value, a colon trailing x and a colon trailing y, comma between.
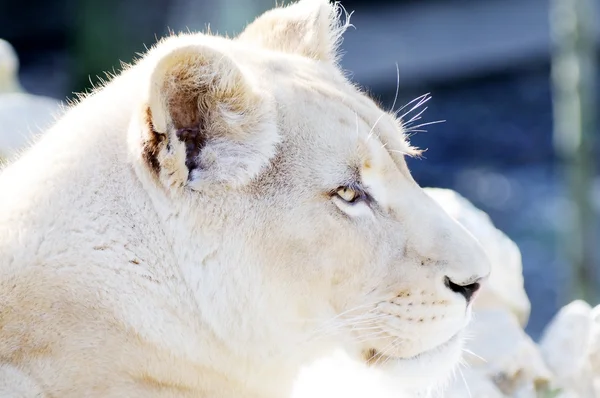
x: 311, y: 28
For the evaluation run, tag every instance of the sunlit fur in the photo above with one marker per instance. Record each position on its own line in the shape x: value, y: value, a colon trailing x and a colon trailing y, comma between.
x: 177, y: 232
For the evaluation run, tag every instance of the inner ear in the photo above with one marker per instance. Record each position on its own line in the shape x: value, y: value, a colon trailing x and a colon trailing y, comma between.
x: 189, y: 83
x: 194, y: 139
x: 206, y: 120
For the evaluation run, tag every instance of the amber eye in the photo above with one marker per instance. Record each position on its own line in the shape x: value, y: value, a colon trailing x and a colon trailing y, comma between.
x: 348, y: 194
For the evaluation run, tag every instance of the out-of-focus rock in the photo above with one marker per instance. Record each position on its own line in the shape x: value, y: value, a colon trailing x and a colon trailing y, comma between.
x: 566, y: 347
x: 506, y: 354
x: 9, y: 66
x: 22, y: 115
x: 505, y: 288
x: 473, y: 383
x: 594, y: 356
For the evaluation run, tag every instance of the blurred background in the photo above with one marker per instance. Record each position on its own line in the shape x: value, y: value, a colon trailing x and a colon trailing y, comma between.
x: 515, y: 81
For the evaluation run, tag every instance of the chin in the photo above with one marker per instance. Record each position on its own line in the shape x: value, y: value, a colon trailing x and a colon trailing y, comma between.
x: 351, y: 376
x: 424, y: 372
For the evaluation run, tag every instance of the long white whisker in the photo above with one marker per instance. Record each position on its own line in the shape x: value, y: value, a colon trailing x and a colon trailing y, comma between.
x: 363, y: 321
x: 424, y: 124
x: 339, y: 328
x: 415, y: 117
x: 475, y: 355
x: 372, y: 337
x: 422, y: 100
x: 342, y: 314
x: 331, y: 321
x: 391, y: 347
x: 360, y: 329
x: 465, y: 380
x: 397, y: 87
x: 373, y: 128
x: 358, y: 307
x: 383, y: 353
x: 419, y: 98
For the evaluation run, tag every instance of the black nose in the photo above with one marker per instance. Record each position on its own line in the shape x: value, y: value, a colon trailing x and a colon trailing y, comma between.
x: 466, y: 290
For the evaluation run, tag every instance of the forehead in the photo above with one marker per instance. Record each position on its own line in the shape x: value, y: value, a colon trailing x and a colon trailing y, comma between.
x: 321, y: 111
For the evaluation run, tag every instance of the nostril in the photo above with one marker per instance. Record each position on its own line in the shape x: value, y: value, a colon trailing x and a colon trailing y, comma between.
x: 467, y: 291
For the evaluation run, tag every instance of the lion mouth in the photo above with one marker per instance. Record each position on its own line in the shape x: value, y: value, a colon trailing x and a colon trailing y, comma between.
x: 374, y: 357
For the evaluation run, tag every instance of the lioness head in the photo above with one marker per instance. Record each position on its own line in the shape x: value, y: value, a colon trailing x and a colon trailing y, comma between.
x: 292, y: 213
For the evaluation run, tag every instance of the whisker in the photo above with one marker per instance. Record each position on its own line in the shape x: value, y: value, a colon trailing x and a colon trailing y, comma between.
x: 373, y: 128
x: 371, y: 319
x: 358, y: 307
x: 371, y: 337
x: 397, y: 87
x: 462, y: 375
x: 475, y: 355
x: 343, y: 323
x: 419, y: 98
x: 342, y: 314
x: 383, y: 354
x: 392, y: 346
x: 343, y: 327
x: 415, y: 117
x: 331, y: 321
x: 422, y: 101
x: 364, y: 328
x: 423, y: 125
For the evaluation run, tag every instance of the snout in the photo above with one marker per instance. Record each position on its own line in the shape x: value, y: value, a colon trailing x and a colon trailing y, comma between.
x: 468, y: 268
x: 456, y: 258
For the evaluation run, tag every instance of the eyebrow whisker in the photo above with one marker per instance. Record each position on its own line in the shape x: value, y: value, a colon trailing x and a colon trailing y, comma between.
x: 421, y: 100
x: 397, y: 87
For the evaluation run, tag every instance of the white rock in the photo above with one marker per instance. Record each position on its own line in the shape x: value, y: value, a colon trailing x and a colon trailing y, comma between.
x: 594, y: 351
x: 505, y: 287
x: 473, y: 383
x: 505, y: 353
x: 566, y: 341
x: 9, y: 65
x: 22, y: 116
x: 571, y: 394
x: 566, y: 346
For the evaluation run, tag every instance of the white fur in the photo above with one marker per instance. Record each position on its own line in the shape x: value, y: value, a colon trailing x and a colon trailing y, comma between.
x: 128, y: 270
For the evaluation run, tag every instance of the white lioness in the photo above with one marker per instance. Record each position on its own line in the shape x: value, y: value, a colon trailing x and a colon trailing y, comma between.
x: 219, y: 215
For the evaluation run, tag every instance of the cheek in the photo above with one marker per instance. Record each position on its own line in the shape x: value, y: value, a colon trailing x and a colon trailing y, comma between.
x: 358, y: 268
x: 323, y: 252
x: 345, y: 262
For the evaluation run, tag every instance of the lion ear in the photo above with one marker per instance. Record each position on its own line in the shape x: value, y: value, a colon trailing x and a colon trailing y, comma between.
x: 205, y: 121
x: 310, y: 28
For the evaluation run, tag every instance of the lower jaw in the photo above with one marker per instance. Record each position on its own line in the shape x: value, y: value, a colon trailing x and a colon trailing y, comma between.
x: 374, y: 357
